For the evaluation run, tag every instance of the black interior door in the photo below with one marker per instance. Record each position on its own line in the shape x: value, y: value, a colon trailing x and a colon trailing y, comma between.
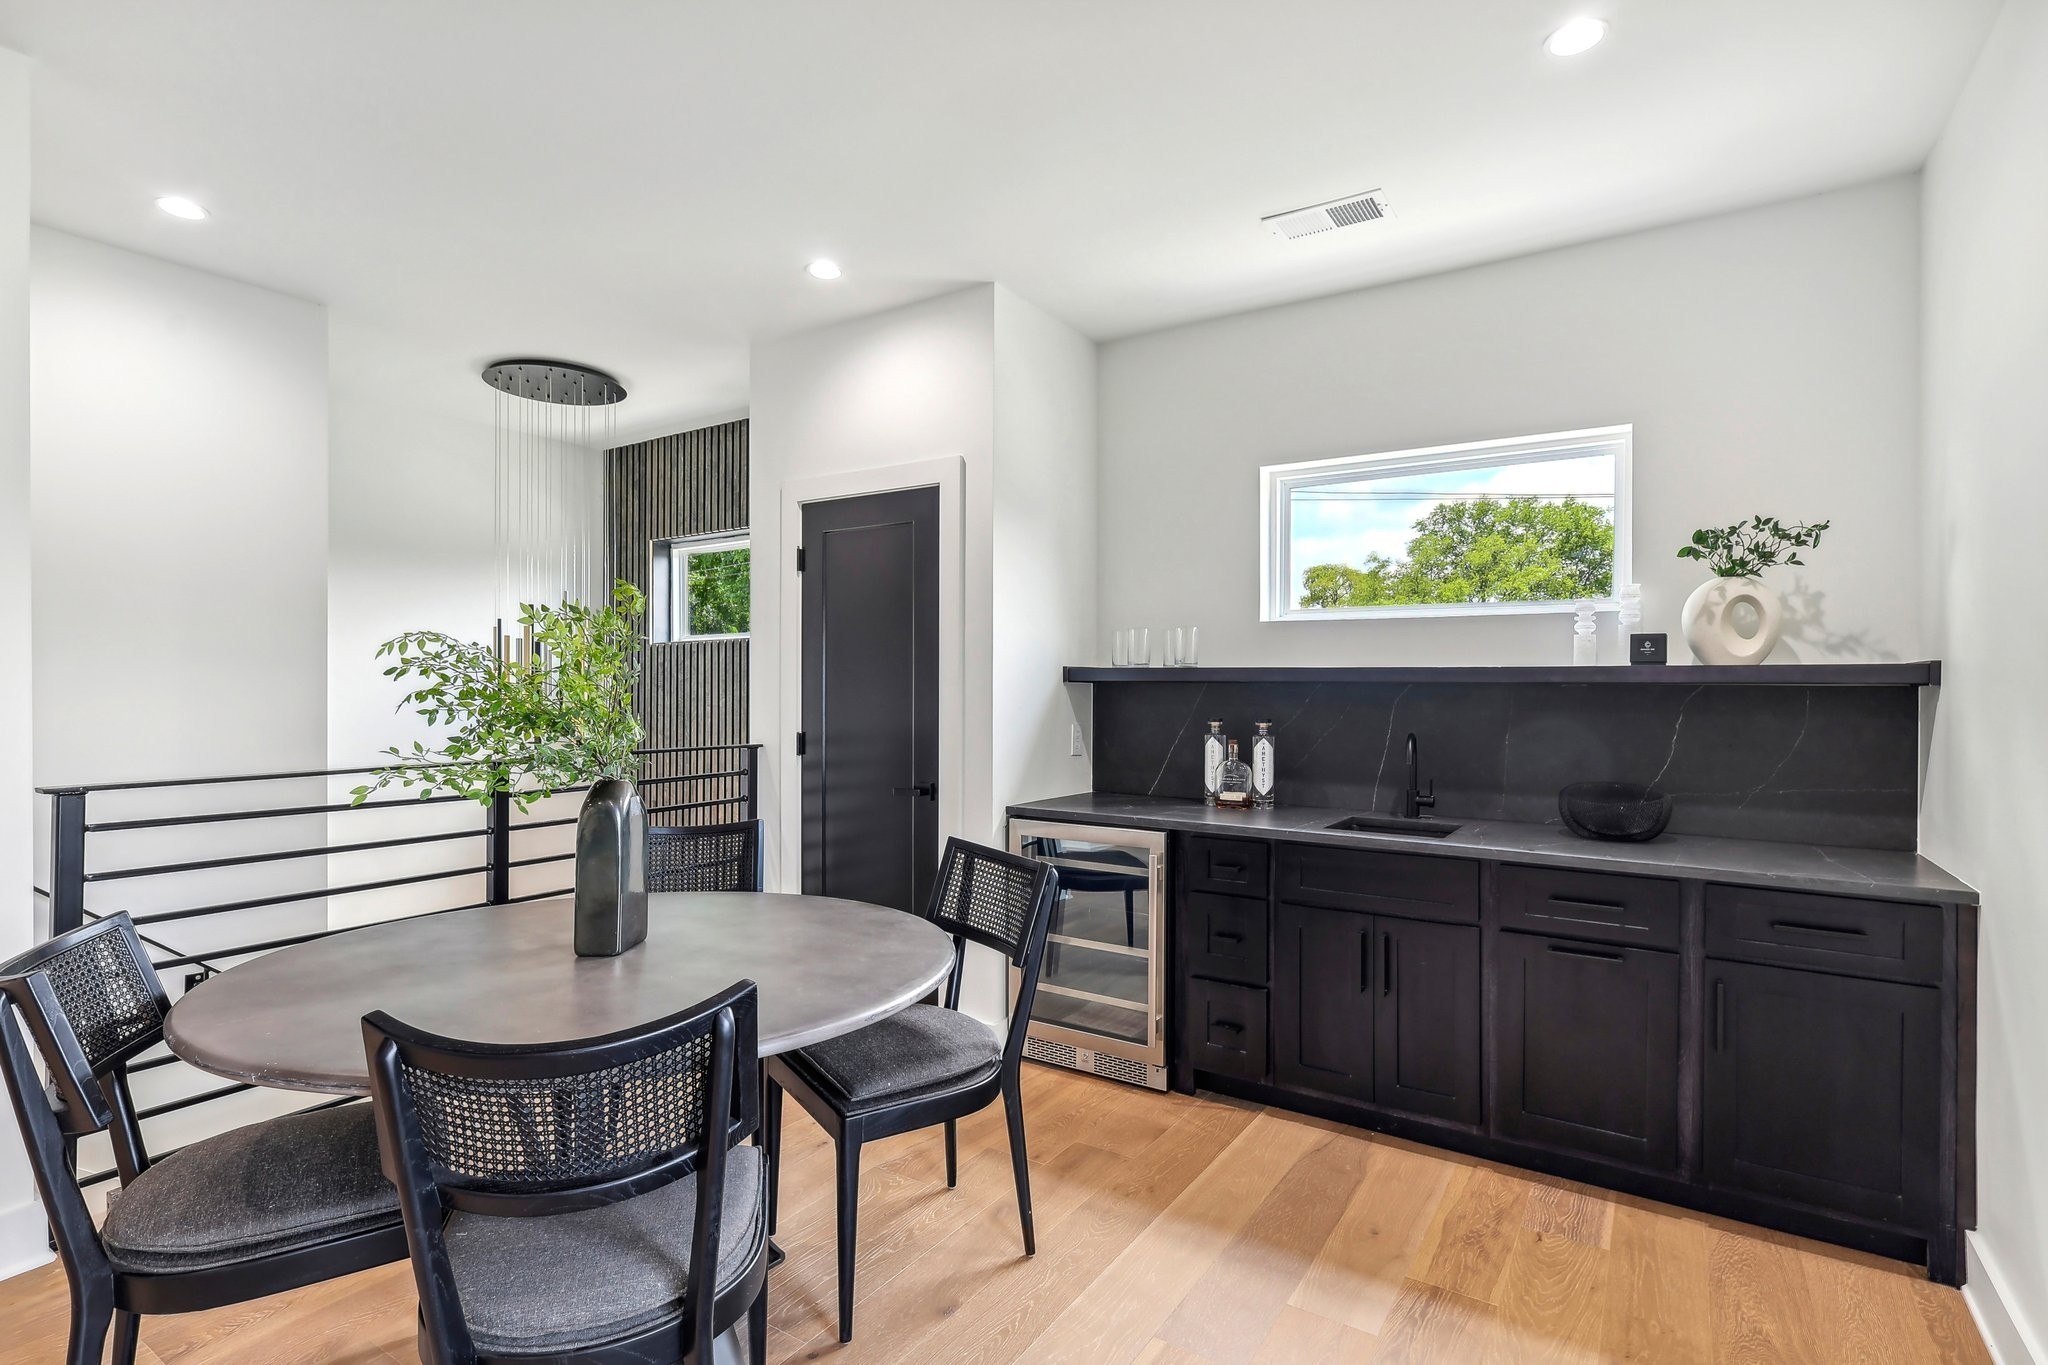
x: 870, y: 740
x: 1323, y: 1000
x: 1427, y: 1029
x: 1822, y: 1089
x: 1588, y: 1048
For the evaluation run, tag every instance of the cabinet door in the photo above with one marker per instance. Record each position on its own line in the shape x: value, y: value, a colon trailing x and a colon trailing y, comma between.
x: 1588, y: 1048
x: 1427, y: 1024
x: 1322, y: 1000
x: 1823, y: 1089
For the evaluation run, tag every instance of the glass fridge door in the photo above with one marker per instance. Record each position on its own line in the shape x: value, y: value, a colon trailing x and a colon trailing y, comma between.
x: 1100, y: 985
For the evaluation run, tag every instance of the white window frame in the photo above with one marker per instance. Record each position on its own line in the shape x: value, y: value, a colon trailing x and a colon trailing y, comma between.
x: 1277, y: 483
x: 679, y: 552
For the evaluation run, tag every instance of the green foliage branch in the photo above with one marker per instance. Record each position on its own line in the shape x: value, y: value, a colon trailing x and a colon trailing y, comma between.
x: 1517, y: 549
x: 562, y: 719
x: 1747, y: 548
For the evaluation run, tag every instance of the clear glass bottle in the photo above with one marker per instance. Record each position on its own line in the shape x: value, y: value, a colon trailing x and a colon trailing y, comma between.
x: 1234, y: 786
x: 1263, y: 766
x: 1212, y: 761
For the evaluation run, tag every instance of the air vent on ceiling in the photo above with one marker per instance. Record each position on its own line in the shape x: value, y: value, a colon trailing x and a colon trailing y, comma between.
x: 1369, y: 207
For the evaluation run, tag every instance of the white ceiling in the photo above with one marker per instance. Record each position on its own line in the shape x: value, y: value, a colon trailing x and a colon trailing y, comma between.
x: 638, y: 183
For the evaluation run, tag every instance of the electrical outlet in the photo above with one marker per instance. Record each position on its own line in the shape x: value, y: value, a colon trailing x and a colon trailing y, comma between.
x: 1074, y: 747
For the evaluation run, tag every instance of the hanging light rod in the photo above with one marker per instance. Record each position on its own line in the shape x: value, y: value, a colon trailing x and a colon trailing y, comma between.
x: 554, y: 381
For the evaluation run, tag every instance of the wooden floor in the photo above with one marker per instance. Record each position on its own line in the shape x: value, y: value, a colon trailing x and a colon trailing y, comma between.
x: 1174, y: 1230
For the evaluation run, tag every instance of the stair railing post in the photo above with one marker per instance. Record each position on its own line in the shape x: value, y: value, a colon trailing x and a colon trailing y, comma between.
x: 498, y: 851
x: 67, y: 859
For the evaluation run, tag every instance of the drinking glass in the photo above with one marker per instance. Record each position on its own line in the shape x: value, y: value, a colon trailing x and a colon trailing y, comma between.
x: 1191, y: 650
x: 1169, y: 646
x: 1141, y: 646
x: 1119, y: 648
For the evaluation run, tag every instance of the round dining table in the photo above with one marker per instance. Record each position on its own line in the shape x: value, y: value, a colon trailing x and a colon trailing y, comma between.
x: 292, y: 1020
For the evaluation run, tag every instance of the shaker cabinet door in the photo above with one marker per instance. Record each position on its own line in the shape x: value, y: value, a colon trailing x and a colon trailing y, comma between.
x: 1322, y: 1000
x: 1427, y: 1019
x: 1823, y: 1089
x: 1588, y: 1048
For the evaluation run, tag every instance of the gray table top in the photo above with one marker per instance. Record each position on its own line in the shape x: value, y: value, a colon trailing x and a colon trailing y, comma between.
x: 509, y: 974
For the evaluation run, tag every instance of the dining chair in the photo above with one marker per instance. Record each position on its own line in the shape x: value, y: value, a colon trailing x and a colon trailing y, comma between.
x: 704, y: 857
x: 580, y: 1203
x: 261, y: 1209
x: 928, y: 1064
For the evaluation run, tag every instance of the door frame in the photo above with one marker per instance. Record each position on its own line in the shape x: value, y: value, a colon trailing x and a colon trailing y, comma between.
x: 949, y: 475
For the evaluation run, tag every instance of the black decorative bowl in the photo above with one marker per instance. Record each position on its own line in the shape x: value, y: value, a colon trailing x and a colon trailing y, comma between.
x: 1625, y: 811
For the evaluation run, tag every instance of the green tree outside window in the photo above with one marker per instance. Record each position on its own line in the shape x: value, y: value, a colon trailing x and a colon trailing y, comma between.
x: 1515, y: 549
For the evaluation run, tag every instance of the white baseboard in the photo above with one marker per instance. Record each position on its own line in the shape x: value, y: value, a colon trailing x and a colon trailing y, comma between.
x: 24, y: 1238
x: 2009, y: 1337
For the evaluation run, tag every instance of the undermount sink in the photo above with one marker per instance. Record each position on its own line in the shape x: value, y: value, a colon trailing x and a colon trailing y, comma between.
x: 1394, y: 824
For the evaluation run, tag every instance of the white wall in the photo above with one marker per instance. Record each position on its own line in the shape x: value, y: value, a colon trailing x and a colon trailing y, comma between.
x: 1986, y: 477
x: 1768, y: 359
x: 984, y: 377
x: 1045, y: 529
x: 22, y: 1241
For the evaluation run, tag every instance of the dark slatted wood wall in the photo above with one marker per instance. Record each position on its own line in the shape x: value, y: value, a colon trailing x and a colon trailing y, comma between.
x: 694, y: 693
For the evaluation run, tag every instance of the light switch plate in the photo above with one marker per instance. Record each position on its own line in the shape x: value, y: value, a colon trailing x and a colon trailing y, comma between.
x: 1074, y: 747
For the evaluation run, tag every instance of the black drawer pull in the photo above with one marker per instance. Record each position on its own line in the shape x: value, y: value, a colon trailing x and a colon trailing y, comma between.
x: 1576, y: 904
x: 1387, y: 959
x: 1586, y: 952
x: 1793, y: 926
x: 1720, y: 1014
x: 1218, y: 865
x: 1226, y: 1024
x: 1226, y: 936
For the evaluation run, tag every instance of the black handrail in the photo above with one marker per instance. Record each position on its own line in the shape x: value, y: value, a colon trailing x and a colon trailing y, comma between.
x: 732, y: 793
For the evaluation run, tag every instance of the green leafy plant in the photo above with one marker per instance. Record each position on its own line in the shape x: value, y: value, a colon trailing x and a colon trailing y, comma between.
x: 529, y: 729
x: 1747, y: 548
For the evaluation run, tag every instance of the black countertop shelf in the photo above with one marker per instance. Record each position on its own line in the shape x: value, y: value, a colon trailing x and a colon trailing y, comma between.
x: 1878, y: 873
x: 1925, y: 673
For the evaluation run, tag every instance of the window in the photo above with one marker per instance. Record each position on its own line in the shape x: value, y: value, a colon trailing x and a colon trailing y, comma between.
x: 708, y: 582
x: 1534, y: 524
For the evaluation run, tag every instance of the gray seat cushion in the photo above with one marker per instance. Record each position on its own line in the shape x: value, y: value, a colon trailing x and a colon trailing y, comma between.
x: 534, y: 1285
x: 269, y: 1187
x: 921, y: 1048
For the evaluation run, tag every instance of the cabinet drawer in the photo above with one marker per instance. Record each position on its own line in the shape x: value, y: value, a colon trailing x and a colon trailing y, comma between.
x: 1223, y: 1029
x: 1232, y: 866
x: 1404, y: 884
x: 1635, y: 912
x: 1885, y: 939
x: 1223, y: 937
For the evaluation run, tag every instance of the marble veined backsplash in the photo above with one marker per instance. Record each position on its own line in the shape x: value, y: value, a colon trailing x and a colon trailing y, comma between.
x: 1822, y: 764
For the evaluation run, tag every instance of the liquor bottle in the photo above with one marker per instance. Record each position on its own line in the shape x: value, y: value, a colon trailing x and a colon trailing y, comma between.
x: 1234, y: 784
x: 1263, y: 766
x: 1212, y: 761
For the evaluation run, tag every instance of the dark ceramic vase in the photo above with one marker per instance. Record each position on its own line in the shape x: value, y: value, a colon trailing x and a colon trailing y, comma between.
x: 611, y: 870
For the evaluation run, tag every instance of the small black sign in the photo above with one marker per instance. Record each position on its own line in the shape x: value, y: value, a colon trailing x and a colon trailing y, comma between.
x: 1648, y: 649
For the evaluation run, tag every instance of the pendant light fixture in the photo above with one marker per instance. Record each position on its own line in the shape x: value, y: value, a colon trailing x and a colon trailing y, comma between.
x: 553, y: 422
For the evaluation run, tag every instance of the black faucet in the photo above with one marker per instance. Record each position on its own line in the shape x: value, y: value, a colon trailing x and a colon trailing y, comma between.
x: 1414, y: 799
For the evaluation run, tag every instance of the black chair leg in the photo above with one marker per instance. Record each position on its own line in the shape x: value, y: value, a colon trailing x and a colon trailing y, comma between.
x: 127, y: 1336
x: 757, y: 1328
x: 771, y: 1131
x: 92, y: 1311
x: 849, y: 1217
x: 1013, y: 1110
x: 952, y: 1154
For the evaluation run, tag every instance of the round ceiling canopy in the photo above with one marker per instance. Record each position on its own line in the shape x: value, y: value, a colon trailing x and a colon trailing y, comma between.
x: 554, y: 381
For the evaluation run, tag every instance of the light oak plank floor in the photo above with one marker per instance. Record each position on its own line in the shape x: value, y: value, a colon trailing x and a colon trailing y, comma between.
x: 1196, y: 1231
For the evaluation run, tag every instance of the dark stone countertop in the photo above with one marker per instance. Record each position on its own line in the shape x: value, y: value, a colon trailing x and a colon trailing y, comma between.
x: 1879, y: 873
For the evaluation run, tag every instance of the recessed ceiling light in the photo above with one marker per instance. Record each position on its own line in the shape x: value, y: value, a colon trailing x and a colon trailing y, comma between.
x: 178, y: 206
x: 822, y: 269
x: 1576, y: 37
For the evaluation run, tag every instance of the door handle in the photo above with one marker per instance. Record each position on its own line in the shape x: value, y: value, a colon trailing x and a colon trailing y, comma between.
x: 1586, y: 952
x: 929, y: 790
x: 1225, y: 936
x: 1386, y: 964
x: 1794, y: 926
x: 1720, y: 1014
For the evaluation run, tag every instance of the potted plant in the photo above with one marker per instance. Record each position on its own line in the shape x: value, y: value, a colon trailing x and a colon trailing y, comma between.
x: 530, y: 729
x: 1737, y: 555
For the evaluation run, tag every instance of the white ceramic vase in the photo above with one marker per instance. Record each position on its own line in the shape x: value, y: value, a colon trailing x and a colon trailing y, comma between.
x: 1709, y: 618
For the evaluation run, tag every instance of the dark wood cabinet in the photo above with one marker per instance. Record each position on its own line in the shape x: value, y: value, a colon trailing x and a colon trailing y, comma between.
x: 1587, y: 1056
x: 1377, y: 1009
x: 1824, y: 1090
x: 1323, y: 1000
x: 1426, y: 1024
